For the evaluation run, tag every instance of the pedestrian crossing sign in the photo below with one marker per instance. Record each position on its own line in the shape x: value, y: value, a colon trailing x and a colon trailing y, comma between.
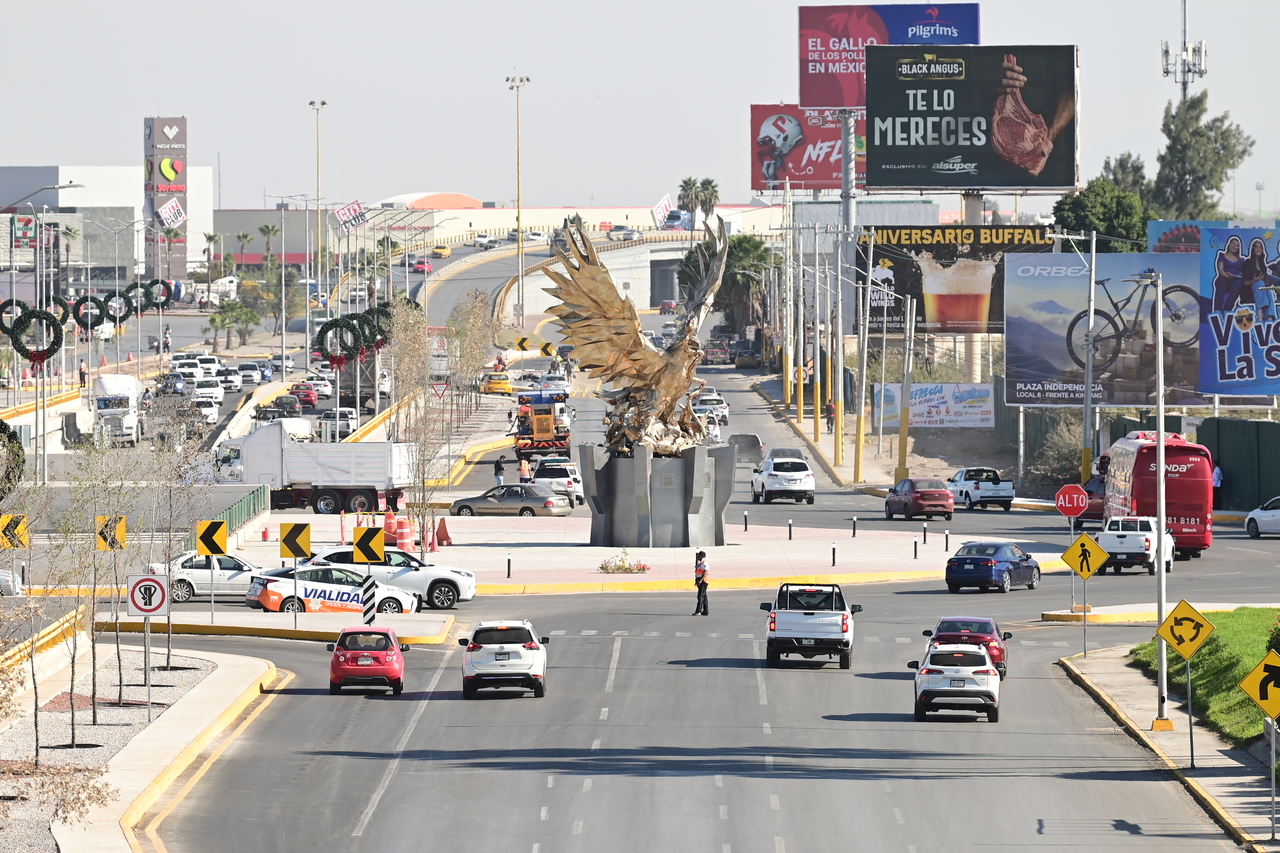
x: 1085, y: 557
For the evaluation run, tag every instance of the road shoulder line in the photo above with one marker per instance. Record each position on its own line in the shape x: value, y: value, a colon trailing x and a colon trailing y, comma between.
x: 136, y: 627
x: 1197, y: 792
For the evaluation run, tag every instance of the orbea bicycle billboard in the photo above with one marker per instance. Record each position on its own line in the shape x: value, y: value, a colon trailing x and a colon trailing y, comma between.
x: 1046, y: 320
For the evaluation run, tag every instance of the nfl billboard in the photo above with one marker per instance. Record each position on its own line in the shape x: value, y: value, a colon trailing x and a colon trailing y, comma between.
x: 804, y: 147
x: 972, y: 118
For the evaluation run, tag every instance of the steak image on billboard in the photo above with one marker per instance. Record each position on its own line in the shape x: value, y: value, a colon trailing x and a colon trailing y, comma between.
x: 1239, y: 271
x: 955, y: 275
x: 805, y: 146
x: 972, y: 117
x: 1046, y: 319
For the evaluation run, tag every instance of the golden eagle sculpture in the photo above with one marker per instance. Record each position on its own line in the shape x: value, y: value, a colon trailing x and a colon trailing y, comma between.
x: 647, y: 383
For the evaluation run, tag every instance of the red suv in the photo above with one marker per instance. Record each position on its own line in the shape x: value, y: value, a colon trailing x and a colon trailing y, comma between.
x: 367, y: 656
x: 667, y: 306
x: 927, y: 496
x: 979, y: 630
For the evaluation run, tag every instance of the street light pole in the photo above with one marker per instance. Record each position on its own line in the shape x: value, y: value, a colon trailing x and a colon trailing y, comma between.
x: 320, y: 265
x: 516, y: 84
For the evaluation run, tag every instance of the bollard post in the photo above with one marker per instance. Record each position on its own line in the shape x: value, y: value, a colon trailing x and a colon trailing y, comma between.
x: 946, y: 541
x: 924, y: 527
x: 915, y: 548
x: 833, y: 555
x: 744, y: 521
x: 508, y: 565
x: 855, y: 527
x: 788, y: 530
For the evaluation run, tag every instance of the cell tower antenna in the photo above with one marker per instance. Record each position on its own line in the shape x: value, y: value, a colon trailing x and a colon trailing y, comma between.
x: 1192, y: 60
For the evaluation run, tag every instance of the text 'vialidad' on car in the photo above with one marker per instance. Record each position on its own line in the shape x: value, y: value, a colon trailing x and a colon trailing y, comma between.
x: 324, y: 590
x: 438, y: 587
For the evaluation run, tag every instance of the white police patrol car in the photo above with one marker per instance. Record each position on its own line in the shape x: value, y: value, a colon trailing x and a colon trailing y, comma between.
x: 323, y: 590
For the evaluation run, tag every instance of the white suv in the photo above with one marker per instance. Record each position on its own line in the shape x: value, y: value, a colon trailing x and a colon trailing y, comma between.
x: 783, y: 478
x: 958, y: 677
x: 437, y: 587
x: 504, y: 654
x: 209, y: 389
x: 561, y: 476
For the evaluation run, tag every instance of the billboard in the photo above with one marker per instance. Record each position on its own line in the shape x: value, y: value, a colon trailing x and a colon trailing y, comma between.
x: 1239, y: 274
x: 934, y: 404
x: 972, y: 117
x: 164, y: 188
x: 1046, y: 300
x: 1183, y: 235
x: 955, y: 275
x: 805, y: 146
x: 351, y: 217
x: 833, y: 41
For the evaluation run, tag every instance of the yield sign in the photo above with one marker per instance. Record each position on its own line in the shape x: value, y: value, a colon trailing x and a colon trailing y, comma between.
x: 440, y: 388
x: 1263, y: 684
x: 1071, y: 500
x: 1185, y: 629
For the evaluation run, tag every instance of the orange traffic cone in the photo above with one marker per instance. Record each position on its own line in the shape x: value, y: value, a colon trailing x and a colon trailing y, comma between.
x: 390, y: 526
x: 442, y: 534
x: 129, y: 357
x: 404, y: 535
x: 342, y: 527
x: 102, y: 362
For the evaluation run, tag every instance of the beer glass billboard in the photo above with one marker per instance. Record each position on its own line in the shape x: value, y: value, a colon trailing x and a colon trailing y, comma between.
x: 955, y: 275
x: 968, y: 117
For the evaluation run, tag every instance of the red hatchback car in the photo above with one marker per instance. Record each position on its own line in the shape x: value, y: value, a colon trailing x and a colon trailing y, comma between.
x: 927, y: 496
x: 422, y: 265
x: 306, y: 394
x: 979, y: 630
x: 367, y: 655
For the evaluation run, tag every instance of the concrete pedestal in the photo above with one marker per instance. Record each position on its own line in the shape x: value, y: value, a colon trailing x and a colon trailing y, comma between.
x: 643, y: 502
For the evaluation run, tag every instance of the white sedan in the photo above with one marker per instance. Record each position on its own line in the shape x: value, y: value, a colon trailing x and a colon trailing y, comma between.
x: 189, y: 575
x: 324, y: 388
x: 554, y: 382
x: 1264, y: 519
x: 715, y: 403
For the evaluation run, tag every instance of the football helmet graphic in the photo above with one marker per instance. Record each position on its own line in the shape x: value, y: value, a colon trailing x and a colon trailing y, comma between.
x: 778, y: 135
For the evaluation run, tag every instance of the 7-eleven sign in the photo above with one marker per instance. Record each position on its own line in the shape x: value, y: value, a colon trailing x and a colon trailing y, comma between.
x: 23, y: 229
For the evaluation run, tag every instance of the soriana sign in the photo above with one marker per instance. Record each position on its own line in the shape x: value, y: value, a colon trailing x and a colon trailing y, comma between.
x: 833, y: 40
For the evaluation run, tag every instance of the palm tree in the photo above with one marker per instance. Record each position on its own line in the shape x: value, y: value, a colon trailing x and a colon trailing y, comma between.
x: 244, y: 238
x: 171, y: 235
x: 210, y: 240
x: 742, y: 290
x: 246, y: 320
x: 69, y: 235
x: 708, y: 198
x: 269, y: 232
x: 688, y: 200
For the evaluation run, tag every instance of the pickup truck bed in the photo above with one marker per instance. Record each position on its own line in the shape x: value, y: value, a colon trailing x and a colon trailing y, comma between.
x: 1131, y: 541
x: 981, y: 487
x: 810, y: 620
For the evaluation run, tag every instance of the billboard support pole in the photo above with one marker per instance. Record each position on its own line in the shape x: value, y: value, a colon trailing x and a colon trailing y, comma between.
x: 904, y: 401
x: 1086, y: 455
x: 1162, y: 721
x: 818, y: 317
x: 788, y: 292
x: 974, y: 214
x: 864, y: 327
x: 837, y: 385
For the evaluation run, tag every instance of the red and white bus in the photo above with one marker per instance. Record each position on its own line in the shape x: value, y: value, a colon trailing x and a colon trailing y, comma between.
x: 1131, y: 486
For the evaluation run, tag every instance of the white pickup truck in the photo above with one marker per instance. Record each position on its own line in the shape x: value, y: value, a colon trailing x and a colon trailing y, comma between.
x: 810, y: 620
x: 1131, y: 541
x: 981, y: 487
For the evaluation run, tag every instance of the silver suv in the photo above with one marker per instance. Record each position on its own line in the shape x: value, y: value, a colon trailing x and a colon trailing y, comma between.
x: 560, y: 476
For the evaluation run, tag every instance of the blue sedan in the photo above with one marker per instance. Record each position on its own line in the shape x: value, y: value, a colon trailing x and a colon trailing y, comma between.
x: 992, y: 565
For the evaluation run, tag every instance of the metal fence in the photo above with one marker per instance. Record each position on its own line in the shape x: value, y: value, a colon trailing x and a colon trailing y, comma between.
x: 1245, y: 450
x: 238, y: 514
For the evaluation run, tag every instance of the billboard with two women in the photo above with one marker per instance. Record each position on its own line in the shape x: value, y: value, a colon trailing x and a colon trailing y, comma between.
x: 1239, y: 322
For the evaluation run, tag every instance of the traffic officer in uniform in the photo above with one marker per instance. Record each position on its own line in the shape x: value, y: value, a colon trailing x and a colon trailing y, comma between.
x: 701, y: 574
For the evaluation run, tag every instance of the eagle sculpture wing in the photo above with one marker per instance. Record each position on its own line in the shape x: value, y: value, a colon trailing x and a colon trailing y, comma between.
x: 601, y: 324
x: 710, y: 271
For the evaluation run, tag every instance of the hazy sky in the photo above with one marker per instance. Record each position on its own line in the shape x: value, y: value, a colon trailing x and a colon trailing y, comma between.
x: 625, y: 98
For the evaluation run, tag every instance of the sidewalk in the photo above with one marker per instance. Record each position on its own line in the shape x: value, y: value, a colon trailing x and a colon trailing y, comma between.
x: 552, y: 555
x: 1230, y: 783
x: 1143, y: 612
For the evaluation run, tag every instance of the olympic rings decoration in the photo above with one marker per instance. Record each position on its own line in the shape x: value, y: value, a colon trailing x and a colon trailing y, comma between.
x: 350, y: 341
x: 145, y: 300
x: 63, y: 306
x: 23, y: 324
x: 7, y: 328
x: 124, y: 314
x: 99, y: 318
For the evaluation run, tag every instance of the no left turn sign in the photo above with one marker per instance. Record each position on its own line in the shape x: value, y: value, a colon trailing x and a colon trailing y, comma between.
x: 148, y: 595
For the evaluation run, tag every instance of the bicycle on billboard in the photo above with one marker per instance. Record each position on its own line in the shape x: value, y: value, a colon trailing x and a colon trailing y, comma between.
x: 1111, y: 331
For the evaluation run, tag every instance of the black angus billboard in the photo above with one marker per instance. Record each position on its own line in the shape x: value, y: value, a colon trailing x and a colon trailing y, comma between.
x: 941, y: 117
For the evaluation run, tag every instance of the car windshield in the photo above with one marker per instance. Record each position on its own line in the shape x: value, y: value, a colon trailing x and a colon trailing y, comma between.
x: 1132, y: 525
x: 785, y: 453
x: 812, y: 599
x: 962, y: 626
x: 922, y: 485
x: 978, y: 551
x: 364, y: 641
x: 790, y: 466
x: 551, y: 471
x: 957, y: 659
x: 502, y: 636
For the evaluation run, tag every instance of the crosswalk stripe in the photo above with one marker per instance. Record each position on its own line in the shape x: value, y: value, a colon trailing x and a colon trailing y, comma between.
x: 683, y: 634
x: 653, y: 633
x: 558, y: 633
x: 871, y: 639
x: 902, y: 639
x: 746, y: 636
x: 1028, y: 642
x: 589, y: 633
x: 619, y: 633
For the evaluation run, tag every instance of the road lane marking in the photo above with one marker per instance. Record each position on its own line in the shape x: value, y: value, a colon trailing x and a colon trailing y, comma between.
x: 713, y: 636
x: 768, y: 762
x: 604, y: 713
x: 746, y: 636
x: 586, y: 785
x: 897, y: 815
x: 870, y: 639
x: 577, y: 827
x: 400, y: 745
x: 1250, y: 550
x: 544, y: 812
x: 595, y: 744
x: 719, y: 781
x: 620, y: 633
x: 902, y: 640
x: 589, y: 633
x: 724, y: 848
x: 536, y: 848
x: 887, y: 789
x: 755, y: 652
x: 613, y: 664
x: 1062, y: 645
x: 653, y: 633
x: 558, y: 633
x: 775, y: 804
x: 779, y: 846
x: 683, y: 634
x: 724, y: 812
x: 768, y: 729
x: 551, y: 781
x: 911, y: 848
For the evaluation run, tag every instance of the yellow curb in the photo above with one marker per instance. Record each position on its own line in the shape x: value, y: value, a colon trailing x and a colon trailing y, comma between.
x: 686, y: 585
x: 178, y: 766
x: 460, y: 468
x: 27, y: 408
x: 1128, y: 616
x: 813, y: 448
x: 69, y: 591
x: 270, y: 633
x: 1237, y: 832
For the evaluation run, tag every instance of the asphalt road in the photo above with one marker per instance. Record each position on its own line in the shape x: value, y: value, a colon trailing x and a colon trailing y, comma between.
x: 662, y: 731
